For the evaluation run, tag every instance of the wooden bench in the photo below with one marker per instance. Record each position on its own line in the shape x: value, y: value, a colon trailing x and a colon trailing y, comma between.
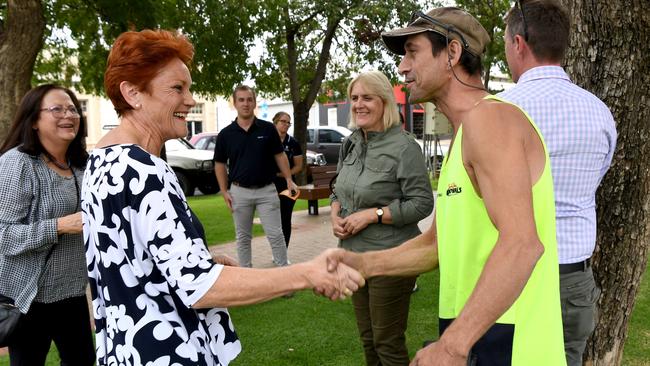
x: 319, y: 187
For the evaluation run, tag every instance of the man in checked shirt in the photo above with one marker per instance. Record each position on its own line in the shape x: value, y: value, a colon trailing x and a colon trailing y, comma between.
x: 580, y: 135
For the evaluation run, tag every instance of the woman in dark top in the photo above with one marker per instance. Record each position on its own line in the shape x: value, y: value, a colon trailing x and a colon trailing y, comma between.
x: 42, y: 264
x: 282, y: 122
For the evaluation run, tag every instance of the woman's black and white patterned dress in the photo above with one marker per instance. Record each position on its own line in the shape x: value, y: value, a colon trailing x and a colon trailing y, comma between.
x: 147, y: 265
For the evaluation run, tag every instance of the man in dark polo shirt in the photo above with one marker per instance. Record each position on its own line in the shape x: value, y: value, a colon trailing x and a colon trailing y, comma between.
x: 252, y: 149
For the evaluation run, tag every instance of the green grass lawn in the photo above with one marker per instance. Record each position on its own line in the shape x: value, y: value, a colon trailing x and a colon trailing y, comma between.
x: 310, y: 330
x: 637, y: 345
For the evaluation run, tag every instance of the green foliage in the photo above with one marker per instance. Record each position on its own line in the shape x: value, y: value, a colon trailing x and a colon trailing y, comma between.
x: 222, y: 33
x: 490, y: 14
x: 81, y: 33
x: 296, y: 44
x: 298, y: 40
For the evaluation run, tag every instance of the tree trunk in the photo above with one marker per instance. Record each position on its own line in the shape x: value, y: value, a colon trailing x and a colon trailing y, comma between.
x: 301, y: 120
x: 302, y: 101
x: 608, y: 55
x: 20, y: 41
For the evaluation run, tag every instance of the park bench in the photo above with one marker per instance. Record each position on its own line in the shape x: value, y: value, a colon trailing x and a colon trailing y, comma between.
x: 319, y: 186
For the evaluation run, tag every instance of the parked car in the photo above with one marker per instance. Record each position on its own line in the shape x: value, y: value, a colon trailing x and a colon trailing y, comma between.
x: 204, y: 140
x: 207, y: 140
x: 441, y: 150
x: 327, y: 141
x: 193, y: 167
x: 315, y: 159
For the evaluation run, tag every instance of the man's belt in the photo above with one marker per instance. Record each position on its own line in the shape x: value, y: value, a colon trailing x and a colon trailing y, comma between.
x: 575, y: 267
x: 249, y: 186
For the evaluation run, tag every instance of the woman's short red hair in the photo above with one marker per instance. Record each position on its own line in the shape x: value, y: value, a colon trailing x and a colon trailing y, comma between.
x: 137, y: 57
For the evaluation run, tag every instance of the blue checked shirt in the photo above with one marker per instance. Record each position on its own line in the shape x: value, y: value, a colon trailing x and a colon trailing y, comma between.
x: 580, y: 135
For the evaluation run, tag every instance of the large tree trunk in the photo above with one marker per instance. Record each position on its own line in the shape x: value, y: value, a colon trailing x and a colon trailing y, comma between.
x: 21, y: 38
x: 608, y: 56
x: 302, y: 101
x: 301, y: 120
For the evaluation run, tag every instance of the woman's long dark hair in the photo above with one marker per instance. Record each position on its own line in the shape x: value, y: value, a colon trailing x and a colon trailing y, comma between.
x: 22, y: 133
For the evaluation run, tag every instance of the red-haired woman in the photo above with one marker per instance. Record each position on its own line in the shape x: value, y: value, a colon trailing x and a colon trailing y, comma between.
x: 158, y: 295
x: 42, y: 266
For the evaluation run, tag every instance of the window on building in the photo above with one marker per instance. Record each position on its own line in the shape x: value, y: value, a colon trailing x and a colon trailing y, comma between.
x: 194, y: 127
x: 84, y: 106
x: 197, y: 109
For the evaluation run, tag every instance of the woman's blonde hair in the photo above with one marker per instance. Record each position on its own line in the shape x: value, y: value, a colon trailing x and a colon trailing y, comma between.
x: 375, y: 82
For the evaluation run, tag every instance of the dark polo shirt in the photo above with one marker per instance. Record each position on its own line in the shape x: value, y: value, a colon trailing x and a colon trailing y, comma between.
x: 249, y: 154
x: 291, y: 148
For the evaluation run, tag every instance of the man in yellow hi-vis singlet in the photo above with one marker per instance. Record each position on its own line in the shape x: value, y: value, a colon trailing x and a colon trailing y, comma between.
x: 493, y: 233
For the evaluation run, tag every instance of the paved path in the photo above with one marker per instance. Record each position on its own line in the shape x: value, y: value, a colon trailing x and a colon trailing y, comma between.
x: 310, y: 235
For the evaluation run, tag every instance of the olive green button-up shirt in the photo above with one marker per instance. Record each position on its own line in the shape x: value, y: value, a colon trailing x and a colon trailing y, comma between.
x: 386, y: 170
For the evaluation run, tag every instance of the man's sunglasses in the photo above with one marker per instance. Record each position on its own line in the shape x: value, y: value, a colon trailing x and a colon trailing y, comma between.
x: 449, y: 28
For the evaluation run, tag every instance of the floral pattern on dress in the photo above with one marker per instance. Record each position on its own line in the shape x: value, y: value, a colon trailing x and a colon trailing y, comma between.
x: 147, y: 265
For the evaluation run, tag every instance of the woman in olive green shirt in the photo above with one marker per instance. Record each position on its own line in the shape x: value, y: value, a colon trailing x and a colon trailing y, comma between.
x: 381, y: 193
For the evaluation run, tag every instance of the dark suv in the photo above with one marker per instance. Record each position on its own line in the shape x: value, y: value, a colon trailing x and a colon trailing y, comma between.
x: 327, y: 141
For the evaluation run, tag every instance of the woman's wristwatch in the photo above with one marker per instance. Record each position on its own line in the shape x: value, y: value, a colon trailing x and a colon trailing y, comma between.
x: 380, y: 214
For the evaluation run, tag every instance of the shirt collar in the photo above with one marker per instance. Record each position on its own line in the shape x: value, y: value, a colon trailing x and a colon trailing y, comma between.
x: 372, y: 135
x: 543, y: 72
x: 256, y: 124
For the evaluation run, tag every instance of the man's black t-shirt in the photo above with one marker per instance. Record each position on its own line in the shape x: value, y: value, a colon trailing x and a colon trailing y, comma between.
x: 249, y: 154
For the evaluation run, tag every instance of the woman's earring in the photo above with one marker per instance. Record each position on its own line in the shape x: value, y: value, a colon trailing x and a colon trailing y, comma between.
x: 137, y: 106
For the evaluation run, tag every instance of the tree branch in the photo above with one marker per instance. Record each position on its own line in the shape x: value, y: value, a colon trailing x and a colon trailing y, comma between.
x: 311, y: 16
x: 323, y: 59
x: 292, y: 56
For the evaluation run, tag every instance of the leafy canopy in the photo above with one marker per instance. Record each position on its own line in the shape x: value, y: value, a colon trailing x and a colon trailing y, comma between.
x: 82, y: 32
x: 224, y: 32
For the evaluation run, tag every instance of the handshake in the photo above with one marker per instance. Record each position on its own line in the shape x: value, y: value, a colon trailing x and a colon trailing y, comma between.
x: 335, y: 273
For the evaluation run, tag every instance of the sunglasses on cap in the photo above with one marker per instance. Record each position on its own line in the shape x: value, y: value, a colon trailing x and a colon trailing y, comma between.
x: 417, y: 15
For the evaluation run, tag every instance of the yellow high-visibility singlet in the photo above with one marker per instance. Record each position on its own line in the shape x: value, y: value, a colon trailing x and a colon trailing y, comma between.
x: 466, y: 237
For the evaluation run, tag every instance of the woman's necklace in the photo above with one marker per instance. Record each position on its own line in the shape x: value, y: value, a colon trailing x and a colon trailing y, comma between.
x: 62, y: 166
x: 57, y: 163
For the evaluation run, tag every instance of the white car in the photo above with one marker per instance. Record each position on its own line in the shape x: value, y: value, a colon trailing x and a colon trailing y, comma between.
x: 193, y: 167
